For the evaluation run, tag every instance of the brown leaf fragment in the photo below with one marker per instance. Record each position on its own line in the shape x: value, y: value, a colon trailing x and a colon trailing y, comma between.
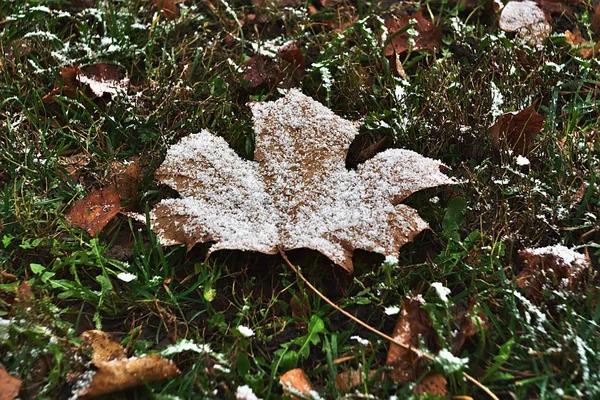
x: 9, y: 385
x: 463, y: 315
x: 294, y: 382
x: 527, y: 19
x: 103, y: 348
x: 168, y: 8
x: 66, y: 84
x: 127, y: 177
x: 73, y: 165
x: 558, y: 7
x: 428, y: 36
x: 518, y: 130
x: 551, y: 268
x: 290, y: 53
x: 116, y: 372
x: 348, y: 380
x: 433, y: 383
x: 584, y: 48
x: 260, y: 69
x: 297, y: 193
x: 595, y: 25
x: 95, y: 210
x: 412, y: 324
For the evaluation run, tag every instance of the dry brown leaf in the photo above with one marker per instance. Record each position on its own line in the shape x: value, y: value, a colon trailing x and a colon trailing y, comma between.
x: 595, y: 25
x: 9, y: 385
x: 583, y: 46
x: 429, y: 36
x: 73, y: 165
x: 527, y: 19
x: 295, y: 381
x: 278, y: 71
x: 518, y: 130
x: 558, y: 7
x: 298, y: 192
x: 433, y: 383
x: 412, y: 323
x: 126, y: 176
x: 463, y: 315
x: 95, y: 210
x: 96, y: 79
x: 347, y: 380
x: 115, y: 372
x: 551, y: 268
x: 168, y: 7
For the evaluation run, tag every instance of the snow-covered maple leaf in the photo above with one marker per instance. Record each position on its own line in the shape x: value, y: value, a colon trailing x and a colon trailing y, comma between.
x: 297, y: 193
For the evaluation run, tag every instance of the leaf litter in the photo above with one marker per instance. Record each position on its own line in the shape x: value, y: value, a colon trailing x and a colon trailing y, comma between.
x: 297, y: 193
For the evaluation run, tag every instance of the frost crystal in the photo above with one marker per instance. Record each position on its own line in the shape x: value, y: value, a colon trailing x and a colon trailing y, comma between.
x: 297, y: 193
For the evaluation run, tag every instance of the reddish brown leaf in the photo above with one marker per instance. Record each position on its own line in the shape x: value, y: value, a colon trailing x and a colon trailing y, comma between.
x: 290, y: 53
x: 94, y: 211
x: 551, y: 268
x: 296, y: 380
x: 115, y: 372
x: 168, y: 7
x: 260, y: 69
x: 9, y: 385
x: 433, y: 383
x: 596, y: 20
x: 429, y: 36
x: 66, y: 84
x: 412, y: 324
x: 558, y: 7
x: 517, y: 130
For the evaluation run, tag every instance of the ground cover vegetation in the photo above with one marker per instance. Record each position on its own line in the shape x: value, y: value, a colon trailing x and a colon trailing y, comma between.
x: 502, y: 287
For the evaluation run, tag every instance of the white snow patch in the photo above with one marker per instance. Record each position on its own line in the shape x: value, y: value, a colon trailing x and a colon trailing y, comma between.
x: 392, y: 310
x: 526, y: 18
x: 522, y: 161
x: 449, y: 362
x: 361, y: 341
x: 126, y: 276
x: 245, y: 331
x: 442, y: 291
x: 245, y: 393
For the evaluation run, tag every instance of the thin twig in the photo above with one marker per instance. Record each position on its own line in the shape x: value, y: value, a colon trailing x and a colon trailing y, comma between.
x: 377, y: 332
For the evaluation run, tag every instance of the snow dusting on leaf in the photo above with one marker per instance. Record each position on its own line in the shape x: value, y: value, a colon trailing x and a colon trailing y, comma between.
x: 297, y: 193
x: 527, y: 19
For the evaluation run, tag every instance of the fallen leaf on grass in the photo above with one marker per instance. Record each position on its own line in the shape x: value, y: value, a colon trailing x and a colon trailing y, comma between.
x: 277, y: 71
x: 412, y: 324
x: 9, y: 385
x: 433, y: 383
x: 518, y: 130
x: 463, y: 315
x: 168, y: 7
x: 527, y: 19
x: 126, y: 176
x: 95, y: 210
x: 347, y: 380
x: 551, y: 268
x: 296, y: 382
x: 116, y: 372
x: 297, y: 194
x: 428, y: 36
x: 95, y: 79
x: 584, y: 48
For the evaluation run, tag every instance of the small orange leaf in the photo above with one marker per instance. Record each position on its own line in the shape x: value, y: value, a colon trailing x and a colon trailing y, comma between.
x: 9, y: 385
x: 295, y: 380
x: 94, y: 211
x: 347, y: 380
x: 519, y: 130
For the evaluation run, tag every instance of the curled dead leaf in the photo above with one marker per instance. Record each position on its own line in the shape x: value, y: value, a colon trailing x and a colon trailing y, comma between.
x: 95, y: 210
x: 115, y: 372
x: 9, y: 385
x: 584, y: 47
x: 168, y: 8
x: 428, y: 36
x: 297, y: 193
x: 518, y: 130
x: 295, y: 381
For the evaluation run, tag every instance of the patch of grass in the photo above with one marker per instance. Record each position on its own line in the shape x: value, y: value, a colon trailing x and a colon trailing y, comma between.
x: 186, y: 75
